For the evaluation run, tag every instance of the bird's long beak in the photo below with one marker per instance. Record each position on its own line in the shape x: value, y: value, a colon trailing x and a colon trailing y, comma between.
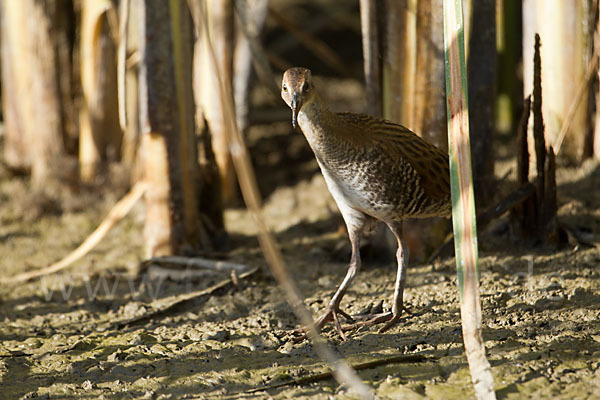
x: 296, y: 103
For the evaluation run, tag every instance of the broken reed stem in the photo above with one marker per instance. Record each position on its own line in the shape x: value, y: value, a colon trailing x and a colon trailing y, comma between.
x: 523, y: 149
x: 463, y: 202
x: 549, y: 224
x: 523, y: 216
x: 117, y: 212
x: 538, y: 126
x: 247, y: 180
x: 536, y: 218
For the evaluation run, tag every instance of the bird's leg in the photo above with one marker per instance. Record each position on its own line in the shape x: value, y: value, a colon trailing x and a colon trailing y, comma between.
x: 391, y: 318
x: 398, y: 302
x: 332, y: 311
x: 333, y: 308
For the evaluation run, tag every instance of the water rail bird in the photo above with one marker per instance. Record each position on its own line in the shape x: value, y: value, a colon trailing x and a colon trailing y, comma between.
x: 376, y: 170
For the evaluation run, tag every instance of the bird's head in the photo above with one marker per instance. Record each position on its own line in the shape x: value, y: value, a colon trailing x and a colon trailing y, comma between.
x: 297, y: 90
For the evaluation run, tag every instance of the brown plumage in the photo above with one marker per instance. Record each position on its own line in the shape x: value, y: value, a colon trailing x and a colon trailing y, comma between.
x: 375, y: 170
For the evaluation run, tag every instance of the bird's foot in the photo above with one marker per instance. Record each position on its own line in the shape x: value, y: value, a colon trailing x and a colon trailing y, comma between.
x: 331, y: 313
x: 375, y: 315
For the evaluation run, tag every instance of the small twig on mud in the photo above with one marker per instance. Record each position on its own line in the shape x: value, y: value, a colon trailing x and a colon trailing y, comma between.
x: 157, y: 273
x: 119, y: 210
x: 166, y: 305
x: 398, y: 359
x: 198, y: 262
x: 195, y: 267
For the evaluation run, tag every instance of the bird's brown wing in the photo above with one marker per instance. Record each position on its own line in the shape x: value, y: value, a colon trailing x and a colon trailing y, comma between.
x: 397, y: 141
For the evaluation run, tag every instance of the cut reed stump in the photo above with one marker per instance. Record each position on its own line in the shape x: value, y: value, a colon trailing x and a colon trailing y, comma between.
x: 535, y: 218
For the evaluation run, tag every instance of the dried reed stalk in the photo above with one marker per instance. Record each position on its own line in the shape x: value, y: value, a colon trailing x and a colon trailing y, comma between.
x: 463, y: 203
x: 99, y: 130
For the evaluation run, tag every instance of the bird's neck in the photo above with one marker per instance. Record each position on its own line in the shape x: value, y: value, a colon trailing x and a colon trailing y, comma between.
x: 320, y: 126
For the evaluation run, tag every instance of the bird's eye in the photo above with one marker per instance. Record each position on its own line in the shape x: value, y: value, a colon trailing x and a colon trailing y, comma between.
x: 306, y: 87
x: 284, y: 88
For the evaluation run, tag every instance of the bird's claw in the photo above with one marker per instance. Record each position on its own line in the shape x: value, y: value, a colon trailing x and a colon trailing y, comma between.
x: 377, y: 317
x: 369, y: 317
x: 331, y: 314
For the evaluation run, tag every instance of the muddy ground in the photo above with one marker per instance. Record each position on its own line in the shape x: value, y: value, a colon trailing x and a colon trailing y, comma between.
x: 105, y: 328
x: 75, y: 334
